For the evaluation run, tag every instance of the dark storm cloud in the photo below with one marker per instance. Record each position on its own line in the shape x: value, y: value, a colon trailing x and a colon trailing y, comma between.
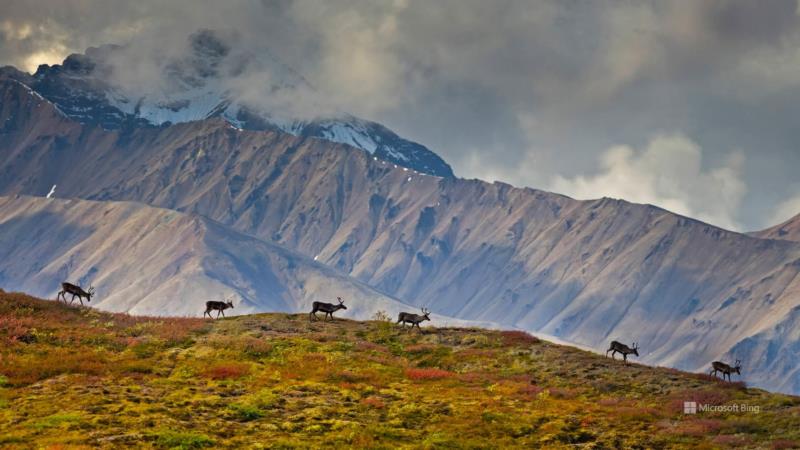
x: 589, y: 97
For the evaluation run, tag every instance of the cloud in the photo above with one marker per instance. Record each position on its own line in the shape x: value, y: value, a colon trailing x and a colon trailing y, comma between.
x: 510, y: 89
x: 669, y: 173
x: 786, y: 210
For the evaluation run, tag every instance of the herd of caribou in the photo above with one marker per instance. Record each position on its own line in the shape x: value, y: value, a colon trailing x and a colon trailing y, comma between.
x: 403, y: 318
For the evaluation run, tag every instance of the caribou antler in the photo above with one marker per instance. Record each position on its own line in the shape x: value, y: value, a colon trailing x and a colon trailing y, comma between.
x: 425, y: 311
x: 340, y: 300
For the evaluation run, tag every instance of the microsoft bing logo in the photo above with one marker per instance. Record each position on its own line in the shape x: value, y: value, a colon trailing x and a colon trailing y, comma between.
x: 690, y: 407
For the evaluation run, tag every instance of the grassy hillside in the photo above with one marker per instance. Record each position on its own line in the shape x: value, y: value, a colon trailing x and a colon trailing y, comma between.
x: 75, y: 377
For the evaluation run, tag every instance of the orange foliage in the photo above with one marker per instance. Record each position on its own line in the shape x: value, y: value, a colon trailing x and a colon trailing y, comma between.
x: 226, y: 371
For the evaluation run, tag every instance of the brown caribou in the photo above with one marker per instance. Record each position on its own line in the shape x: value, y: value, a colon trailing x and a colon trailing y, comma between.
x: 413, y: 319
x: 219, y: 307
x: 718, y: 366
x: 623, y: 349
x: 327, y: 308
x: 76, y: 291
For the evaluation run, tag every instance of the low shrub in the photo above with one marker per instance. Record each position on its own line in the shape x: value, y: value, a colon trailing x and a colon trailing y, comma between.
x: 182, y: 440
x: 782, y: 444
x: 244, y: 412
x: 729, y: 440
x: 530, y: 390
x: 427, y: 374
x: 373, y: 402
x: 517, y: 338
x: 564, y: 394
x: 225, y: 371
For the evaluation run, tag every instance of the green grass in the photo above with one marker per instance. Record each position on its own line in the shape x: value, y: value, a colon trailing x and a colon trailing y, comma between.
x: 76, y: 377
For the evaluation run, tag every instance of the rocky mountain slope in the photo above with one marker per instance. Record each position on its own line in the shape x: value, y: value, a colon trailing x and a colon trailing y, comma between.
x: 77, y: 377
x: 583, y: 271
x: 207, y: 81
x: 153, y: 261
x: 787, y: 231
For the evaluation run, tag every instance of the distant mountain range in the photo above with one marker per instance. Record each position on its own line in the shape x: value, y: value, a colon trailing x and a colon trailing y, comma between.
x: 583, y: 271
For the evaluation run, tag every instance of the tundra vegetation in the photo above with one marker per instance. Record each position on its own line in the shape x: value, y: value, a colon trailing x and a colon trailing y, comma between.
x: 74, y: 377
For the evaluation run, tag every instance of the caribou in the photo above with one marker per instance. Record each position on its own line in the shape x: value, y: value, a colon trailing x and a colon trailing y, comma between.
x: 327, y: 308
x: 623, y: 349
x: 413, y: 319
x: 718, y: 366
x: 219, y: 307
x: 76, y: 291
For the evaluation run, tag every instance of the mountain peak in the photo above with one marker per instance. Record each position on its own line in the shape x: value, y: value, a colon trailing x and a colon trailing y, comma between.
x: 213, y: 77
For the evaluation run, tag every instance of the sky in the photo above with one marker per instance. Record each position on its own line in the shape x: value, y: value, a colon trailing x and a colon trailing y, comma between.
x: 690, y: 105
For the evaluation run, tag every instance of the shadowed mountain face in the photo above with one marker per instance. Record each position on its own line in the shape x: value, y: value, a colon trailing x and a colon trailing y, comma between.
x: 584, y: 271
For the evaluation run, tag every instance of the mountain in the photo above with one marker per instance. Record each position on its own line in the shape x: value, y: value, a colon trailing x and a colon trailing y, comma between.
x: 153, y: 261
x: 213, y: 79
x: 583, y: 271
x: 77, y: 377
x: 788, y: 231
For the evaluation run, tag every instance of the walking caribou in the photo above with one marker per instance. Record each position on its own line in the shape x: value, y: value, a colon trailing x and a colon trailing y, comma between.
x: 327, y: 308
x: 76, y: 291
x: 413, y: 319
x: 623, y: 349
x: 219, y: 307
x: 718, y: 366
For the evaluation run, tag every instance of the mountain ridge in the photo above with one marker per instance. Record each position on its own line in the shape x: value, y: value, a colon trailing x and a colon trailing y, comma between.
x: 788, y: 231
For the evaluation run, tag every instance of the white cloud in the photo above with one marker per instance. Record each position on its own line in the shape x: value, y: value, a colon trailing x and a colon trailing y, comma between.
x: 786, y: 210
x: 668, y: 173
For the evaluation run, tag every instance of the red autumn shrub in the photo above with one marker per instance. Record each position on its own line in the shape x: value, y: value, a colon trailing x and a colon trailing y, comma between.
x: 427, y: 374
x: 782, y: 444
x: 225, y: 371
x: 373, y: 402
x: 530, y: 390
x: 14, y: 329
x: 564, y: 394
x: 519, y: 338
